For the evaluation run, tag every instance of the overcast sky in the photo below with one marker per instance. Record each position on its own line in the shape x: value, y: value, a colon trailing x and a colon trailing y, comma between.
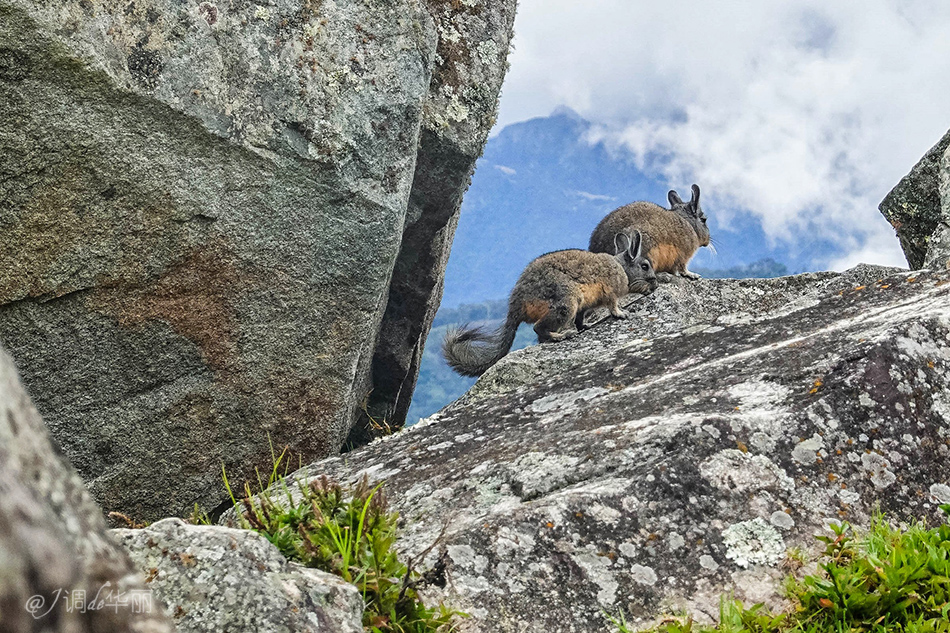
x: 804, y: 112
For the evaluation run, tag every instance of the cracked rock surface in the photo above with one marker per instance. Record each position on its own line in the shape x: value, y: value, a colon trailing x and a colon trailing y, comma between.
x: 651, y: 465
x: 213, y: 578
x: 203, y: 206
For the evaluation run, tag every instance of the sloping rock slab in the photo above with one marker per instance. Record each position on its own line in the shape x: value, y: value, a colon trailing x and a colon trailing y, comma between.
x: 665, y: 471
x: 220, y: 579
x: 919, y: 209
x: 55, y: 552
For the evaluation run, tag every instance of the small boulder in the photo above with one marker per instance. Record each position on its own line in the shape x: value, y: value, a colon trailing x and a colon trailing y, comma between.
x: 215, y: 578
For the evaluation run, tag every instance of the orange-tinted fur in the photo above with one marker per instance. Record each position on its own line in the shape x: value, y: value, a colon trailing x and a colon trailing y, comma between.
x: 665, y: 257
x: 534, y: 311
x: 594, y: 295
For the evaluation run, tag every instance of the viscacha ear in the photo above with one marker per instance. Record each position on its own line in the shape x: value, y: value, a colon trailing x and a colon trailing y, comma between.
x: 635, y: 245
x: 618, y: 247
x: 674, y: 198
x: 694, y: 202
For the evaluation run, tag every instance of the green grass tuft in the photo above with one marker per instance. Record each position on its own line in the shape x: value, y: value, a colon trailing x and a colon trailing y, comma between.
x: 350, y: 533
x: 886, y: 580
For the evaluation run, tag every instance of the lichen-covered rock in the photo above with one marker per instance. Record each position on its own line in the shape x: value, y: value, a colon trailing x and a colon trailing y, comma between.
x: 55, y: 551
x: 202, y: 205
x: 652, y: 465
x: 214, y: 578
x: 474, y: 38
x: 919, y: 209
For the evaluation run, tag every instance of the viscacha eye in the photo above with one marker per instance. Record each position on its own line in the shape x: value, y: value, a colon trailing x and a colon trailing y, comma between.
x: 645, y: 266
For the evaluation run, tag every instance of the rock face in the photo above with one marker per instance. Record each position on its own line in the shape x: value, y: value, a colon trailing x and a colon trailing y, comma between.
x: 53, y: 539
x: 213, y: 578
x: 457, y: 117
x: 203, y: 205
x: 919, y: 209
x: 652, y: 465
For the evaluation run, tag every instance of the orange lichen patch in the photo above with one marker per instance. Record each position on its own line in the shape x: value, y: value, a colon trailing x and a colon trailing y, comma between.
x: 195, y: 297
x: 816, y: 387
x: 593, y: 294
x: 664, y: 258
x: 534, y: 311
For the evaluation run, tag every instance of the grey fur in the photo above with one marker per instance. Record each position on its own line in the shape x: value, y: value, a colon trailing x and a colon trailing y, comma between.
x: 555, y: 292
x: 670, y: 236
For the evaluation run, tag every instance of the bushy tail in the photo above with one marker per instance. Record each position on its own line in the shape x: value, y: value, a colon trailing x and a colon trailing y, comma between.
x: 471, y: 351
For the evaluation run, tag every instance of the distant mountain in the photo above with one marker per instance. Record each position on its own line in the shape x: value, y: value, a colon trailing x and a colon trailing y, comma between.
x: 540, y: 186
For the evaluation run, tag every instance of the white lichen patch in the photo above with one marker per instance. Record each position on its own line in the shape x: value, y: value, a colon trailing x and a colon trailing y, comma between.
x: 876, y: 466
x: 262, y: 13
x: 806, y: 451
x: 941, y: 405
x: 537, y: 473
x: 733, y: 470
x: 565, y: 400
x: 762, y: 442
x: 511, y: 543
x: 643, y: 575
x: 753, y: 542
x: 597, y: 570
x: 782, y: 520
x: 487, y: 52
x: 604, y: 514
x: 940, y: 492
x: 759, y: 394
x: 849, y: 497
x: 377, y: 472
x: 676, y: 541
x: 456, y: 110
x: 708, y: 562
x: 464, y: 557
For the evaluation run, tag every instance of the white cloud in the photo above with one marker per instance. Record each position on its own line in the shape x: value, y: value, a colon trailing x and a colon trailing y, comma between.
x: 508, y: 171
x: 803, y: 112
x: 594, y: 197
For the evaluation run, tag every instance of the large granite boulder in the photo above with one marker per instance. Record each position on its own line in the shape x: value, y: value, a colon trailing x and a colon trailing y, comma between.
x: 214, y: 578
x: 56, y: 555
x: 202, y: 206
x: 919, y: 209
x: 653, y: 465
